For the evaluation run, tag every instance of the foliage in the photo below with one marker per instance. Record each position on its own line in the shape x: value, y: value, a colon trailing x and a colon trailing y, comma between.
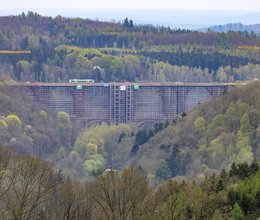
x: 216, y: 145
x: 26, y: 184
x: 163, y: 171
x: 64, y: 48
x: 30, y: 130
x: 205, y: 141
x: 31, y: 189
x: 97, y: 145
x: 14, y: 120
x: 122, y: 195
x: 64, y: 128
x: 209, y: 139
x: 3, y: 123
x: 237, y: 213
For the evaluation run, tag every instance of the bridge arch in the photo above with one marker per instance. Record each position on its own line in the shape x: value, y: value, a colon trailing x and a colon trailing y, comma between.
x: 196, y: 96
x: 148, y: 104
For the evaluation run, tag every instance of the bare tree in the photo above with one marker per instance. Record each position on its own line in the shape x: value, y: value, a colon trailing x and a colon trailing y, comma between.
x: 171, y: 199
x: 121, y: 196
x: 27, y: 187
x: 5, y: 161
x: 74, y: 201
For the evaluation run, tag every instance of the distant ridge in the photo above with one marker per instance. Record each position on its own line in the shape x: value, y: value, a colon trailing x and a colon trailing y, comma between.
x: 235, y: 27
x: 188, y: 19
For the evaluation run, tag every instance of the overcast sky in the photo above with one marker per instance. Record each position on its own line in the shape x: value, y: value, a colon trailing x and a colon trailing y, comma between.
x: 238, y: 5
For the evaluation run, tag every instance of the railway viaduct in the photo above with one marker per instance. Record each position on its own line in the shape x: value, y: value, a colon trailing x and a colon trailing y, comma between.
x: 115, y: 103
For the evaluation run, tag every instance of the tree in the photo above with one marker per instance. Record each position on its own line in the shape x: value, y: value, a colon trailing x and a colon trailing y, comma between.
x: 163, y: 171
x: 217, y: 122
x: 24, y: 69
x: 1, y: 39
x: 131, y: 23
x: 126, y: 23
x: 94, y: 165
x: 5, y: 160
x: 200, y: 124
x: 218, y: 154
x: 84, y: 67
x: 28, y: 186
x: 14, y: 120
x: 120, y: 196
x: 3, y: 123
x: 15, y: 127
x: 64, y: 128
x: 237, y: 213
x: 172, y: 200
x: 74, y: 201
x: 246, y: 128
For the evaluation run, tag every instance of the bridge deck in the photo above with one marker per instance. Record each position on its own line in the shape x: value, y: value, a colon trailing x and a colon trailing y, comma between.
x: 28, y: 84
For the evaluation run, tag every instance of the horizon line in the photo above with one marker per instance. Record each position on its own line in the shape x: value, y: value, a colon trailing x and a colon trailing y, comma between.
x: 131, y: 9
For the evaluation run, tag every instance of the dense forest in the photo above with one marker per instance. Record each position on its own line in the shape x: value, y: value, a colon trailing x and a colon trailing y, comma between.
x: 210, y: 138
x: 63, y: 48
x: 217, y: 145
x: 200, y: 165
x: 32, y: 189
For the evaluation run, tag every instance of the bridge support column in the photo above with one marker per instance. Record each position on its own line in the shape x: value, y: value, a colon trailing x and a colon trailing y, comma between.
x: 169, y: 102
x: 181, y: 95
x: 121, y: 104
x: 79, y: 104
x: 40, y: 94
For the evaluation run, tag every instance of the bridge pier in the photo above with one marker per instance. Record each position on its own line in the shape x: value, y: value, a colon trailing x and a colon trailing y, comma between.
x: 79, y: 103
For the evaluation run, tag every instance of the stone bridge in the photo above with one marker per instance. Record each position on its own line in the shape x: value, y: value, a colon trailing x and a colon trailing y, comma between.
x: 115, y: 103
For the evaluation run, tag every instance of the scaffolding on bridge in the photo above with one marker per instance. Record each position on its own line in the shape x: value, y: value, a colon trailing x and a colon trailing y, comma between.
x: 116, y: 103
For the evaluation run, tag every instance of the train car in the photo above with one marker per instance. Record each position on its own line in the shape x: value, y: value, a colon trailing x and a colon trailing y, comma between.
x: 81, y: 81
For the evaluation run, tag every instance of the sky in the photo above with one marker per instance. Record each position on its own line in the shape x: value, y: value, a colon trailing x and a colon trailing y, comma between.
x: 236, y: 5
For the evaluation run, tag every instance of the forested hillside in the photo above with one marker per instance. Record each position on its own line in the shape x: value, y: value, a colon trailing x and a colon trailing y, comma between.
x: 209, y: 139
x: 63, y: 48
x: 203, y: 165
x: 251, y: 29
x: 28, y: 129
